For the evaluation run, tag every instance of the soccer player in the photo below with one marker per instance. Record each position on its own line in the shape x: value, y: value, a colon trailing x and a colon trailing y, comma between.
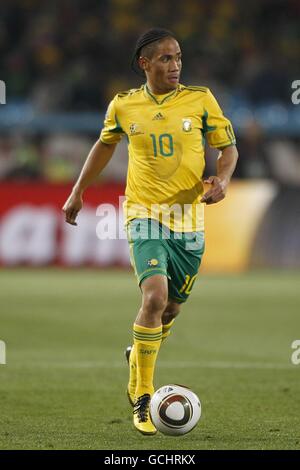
x: 166, y: 124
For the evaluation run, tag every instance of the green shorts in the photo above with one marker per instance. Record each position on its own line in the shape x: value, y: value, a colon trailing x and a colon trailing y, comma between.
x: 155, y: 249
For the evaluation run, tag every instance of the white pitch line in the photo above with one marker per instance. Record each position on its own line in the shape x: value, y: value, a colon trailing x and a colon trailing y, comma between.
x: 167, y: 365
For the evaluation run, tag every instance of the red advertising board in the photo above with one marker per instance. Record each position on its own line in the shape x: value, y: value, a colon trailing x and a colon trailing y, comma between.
x: 33, y: 230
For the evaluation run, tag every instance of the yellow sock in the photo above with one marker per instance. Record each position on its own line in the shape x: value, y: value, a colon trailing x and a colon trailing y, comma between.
x: 146, y: 344
x: 166, y: 329
x: 132, y: 362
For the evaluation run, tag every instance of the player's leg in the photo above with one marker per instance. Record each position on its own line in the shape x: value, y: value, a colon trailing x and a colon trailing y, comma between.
x: 168, y: 317
x: 147, y: 332
x: 149, y: 259
x: 153, y: 300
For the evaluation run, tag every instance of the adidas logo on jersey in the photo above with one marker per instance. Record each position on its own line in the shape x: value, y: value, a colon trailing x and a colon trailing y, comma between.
x: 158, y: 117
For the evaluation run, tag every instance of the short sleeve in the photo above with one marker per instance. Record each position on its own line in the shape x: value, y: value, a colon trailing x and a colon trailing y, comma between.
x: 216, y: 127
x: 112, y: 131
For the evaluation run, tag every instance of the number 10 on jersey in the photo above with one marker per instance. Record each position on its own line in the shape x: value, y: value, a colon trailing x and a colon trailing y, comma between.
x: 162, y: 145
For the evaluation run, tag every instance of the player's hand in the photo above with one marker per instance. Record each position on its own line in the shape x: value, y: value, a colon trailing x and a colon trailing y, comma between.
x: 71, y: 207
x: 217, y: 191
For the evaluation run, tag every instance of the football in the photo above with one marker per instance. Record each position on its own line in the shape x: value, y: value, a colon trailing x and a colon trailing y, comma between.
x: 175, y: 409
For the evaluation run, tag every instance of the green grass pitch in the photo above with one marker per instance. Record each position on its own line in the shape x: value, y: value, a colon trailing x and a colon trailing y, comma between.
x: 63, y: 386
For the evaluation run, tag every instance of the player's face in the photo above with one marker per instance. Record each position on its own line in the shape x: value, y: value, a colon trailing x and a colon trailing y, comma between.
x: 163, y: 69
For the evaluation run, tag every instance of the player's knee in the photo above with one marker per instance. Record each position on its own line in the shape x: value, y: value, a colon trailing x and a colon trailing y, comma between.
x: 155, y: 302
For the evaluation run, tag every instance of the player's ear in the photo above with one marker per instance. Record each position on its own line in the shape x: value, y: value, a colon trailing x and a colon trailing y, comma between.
x: 143, y: 63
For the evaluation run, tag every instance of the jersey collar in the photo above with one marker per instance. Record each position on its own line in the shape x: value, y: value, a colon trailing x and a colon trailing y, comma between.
x: 166, y: 97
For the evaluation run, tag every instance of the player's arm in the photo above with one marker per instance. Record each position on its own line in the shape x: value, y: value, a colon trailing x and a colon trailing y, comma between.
x: 220, y: 135
x: 226, y: 164
x: 97, y: 159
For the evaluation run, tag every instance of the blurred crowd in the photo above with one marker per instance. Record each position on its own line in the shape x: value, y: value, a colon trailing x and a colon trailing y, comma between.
x: 73, y: 55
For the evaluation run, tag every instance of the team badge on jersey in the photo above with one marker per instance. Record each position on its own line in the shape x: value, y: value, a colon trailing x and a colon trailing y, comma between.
x: 186, y: 125
x: 153, y: 262
x: 135, y: 129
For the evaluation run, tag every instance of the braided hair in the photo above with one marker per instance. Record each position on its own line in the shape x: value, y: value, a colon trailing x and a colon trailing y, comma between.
x: 146, y: 39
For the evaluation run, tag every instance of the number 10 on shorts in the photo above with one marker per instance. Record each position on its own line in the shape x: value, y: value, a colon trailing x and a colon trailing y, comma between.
x: 188, y: 284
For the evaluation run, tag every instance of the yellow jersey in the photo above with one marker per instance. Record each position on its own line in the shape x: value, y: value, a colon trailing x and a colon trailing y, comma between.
x: 166, y: 143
